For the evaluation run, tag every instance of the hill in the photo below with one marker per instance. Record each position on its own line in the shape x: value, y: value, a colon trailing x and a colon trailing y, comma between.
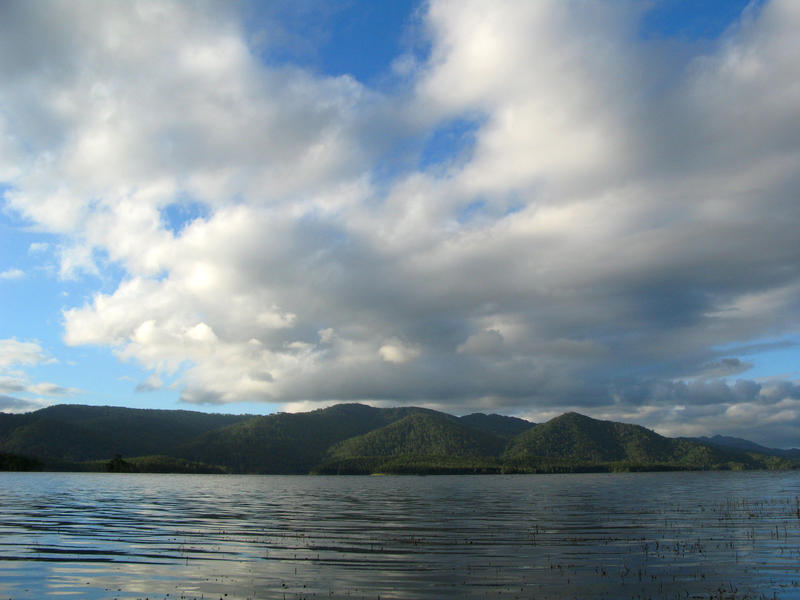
x: 501, y: 425
x: 69, y: 433
x: 419, y: 443
x: 574, y: 439
x: 422, y: 434
x: 12, y: 462
x: 348, y: 438
x: 288, y: 442
x: 735, y: 443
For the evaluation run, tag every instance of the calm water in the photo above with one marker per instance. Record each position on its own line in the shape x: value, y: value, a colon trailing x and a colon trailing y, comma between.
x: 659, y: 535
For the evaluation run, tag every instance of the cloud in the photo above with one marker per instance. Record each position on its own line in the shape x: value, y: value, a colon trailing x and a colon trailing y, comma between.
x: 9, y: 385
x: 619, y: 214
x: 12, y: 274
x: 395, y: 351
x: 13, y: 352
x: 151, y: 384
x: 487, y: 341
x: 772, y: 425
x: 18, y: 383
x: 15, y: 356
x: 12, y: 404
x: 724, y: 367
x: 50, y: 389
x: 38, y: 247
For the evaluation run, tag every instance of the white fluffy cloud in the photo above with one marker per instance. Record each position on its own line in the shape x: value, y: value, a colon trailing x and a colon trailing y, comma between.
x: 12, y: 274
x: 15, y: 356
x: 617, y: 219
x: 395, y: 351
x: 16, y: 353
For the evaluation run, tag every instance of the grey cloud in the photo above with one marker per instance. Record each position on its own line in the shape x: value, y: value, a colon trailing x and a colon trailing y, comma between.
x: 762, y: 347
x: 51, y: 389
x: 16, y: 404
x: 488, y: 341
x: 747, y: 390
x: 724, y: 368
x: 12, y: 386
x: 744, y: 409
x: 151, y: 384
x: 713, y: 392
x: 202, y: 397
x: 755, y: 422
x: 784, y: 434
x: 777, y: 391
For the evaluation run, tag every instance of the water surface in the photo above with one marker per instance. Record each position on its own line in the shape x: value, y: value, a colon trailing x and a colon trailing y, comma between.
x: 644, y: 535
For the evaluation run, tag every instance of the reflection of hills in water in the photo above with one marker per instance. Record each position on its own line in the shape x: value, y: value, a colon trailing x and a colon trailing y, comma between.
x: 658, y: 535
x: 354, y: 438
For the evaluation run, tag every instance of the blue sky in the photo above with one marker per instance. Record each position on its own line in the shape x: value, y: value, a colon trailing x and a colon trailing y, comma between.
x: 511, y: 207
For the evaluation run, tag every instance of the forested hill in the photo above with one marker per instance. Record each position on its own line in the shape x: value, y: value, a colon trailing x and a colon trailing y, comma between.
x: 724, y: 441
x: 289, y: 442
x: 74, y: 433
x: 348, y: 438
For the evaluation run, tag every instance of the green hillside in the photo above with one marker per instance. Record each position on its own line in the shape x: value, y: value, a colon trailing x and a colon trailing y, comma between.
x: 74, y: 433
x: 574, y: 439
x: 501, y: 425
x: 422, y: 434
x: 419, y: 443
x: 346, y: 438
x: 581, y: 438
x: 735, y: 443
x: 288, y: 442
x: 13, y: 462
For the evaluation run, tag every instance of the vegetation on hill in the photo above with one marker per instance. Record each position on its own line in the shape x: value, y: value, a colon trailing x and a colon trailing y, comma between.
x: 427, y: 434
x: 580, y: 438
x: 155, y: 464
x: 419, y: 443
x: 349, y: 438
x: 574, y: 439
x: 75, y: 433
x: 501, y: 425
x: 14, y: 462
x: 288, y: 442
x: 409, y: 464
x: 742, y: 445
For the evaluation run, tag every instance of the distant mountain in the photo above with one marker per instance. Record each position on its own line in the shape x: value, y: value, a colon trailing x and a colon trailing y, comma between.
x: 74, y: 433
x: 429, y: 434
x: 429, y: 442
x: 352, y: 438
x: 288, y: 442
x: 501, y: 425
x: 583, y: 440
x: 736, y: 443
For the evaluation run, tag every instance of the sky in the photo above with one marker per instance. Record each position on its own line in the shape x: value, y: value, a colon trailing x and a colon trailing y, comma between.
x: 510, y: 206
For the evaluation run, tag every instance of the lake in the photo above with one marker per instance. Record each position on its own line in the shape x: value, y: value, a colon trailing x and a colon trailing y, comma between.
x: 641, y: 535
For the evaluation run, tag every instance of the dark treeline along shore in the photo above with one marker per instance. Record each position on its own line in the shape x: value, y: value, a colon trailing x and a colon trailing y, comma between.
x: 355, y: 439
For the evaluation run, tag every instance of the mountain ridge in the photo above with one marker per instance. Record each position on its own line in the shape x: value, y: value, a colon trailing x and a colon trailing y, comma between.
x: 727, y: 441
x: 351, y: 438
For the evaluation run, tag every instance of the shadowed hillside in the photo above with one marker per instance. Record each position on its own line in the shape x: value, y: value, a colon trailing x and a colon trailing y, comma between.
x: 735, y: 443
x: 421, y: 433
x: 347, y: 438
x: 289, y: 442
x: 419, y: 443
x: 501, y: 425
x: 582, y: 440
x: 74, y: 433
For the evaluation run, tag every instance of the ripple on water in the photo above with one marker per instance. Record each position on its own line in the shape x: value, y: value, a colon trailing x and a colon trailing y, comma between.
x: 731, y: 535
